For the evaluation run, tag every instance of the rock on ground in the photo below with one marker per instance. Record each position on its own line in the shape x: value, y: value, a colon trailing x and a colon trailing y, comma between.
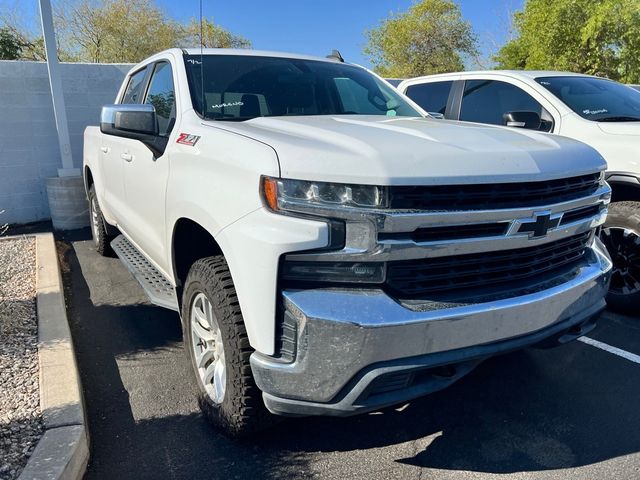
x: 20, y: 416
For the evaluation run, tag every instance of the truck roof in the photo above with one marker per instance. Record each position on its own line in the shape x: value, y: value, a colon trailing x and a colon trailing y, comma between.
x: 253, y: 53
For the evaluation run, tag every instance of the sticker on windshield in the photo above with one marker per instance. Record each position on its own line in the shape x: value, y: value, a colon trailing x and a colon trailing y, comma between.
x: 232, y: 104
x: 188, y: 139
x: 595, y: 112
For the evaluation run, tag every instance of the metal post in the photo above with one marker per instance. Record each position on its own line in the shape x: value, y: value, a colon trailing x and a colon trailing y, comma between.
x: 59, y: 110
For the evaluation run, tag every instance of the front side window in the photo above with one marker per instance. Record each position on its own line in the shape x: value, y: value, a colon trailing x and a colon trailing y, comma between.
x: 431, y: 96
x: 161, y: 95
x: 133, y: 93
x: 595, y: 99
x: 486, y: 101
x: 241, y: 87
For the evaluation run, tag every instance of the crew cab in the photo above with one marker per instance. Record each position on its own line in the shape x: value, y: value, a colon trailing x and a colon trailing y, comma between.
x: 597, y: 111
x: 330, y: 248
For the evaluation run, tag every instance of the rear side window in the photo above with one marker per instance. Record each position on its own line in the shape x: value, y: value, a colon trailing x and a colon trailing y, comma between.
x: 161, y: 95
x: 486, y: 101
x: 133, y: 93
x: 431, y: 96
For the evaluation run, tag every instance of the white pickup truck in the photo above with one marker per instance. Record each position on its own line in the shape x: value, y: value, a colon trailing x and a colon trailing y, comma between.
x: 331, y: 250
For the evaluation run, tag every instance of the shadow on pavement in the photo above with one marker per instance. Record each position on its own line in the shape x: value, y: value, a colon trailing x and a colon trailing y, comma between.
x: 526, y: 411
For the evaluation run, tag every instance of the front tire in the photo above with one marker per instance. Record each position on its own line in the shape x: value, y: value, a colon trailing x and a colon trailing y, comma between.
x: 101, y: 239
x: 218, y: 348
x: 621, y: 235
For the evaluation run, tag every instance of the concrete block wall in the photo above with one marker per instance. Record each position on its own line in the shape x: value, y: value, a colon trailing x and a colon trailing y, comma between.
x: 29, y: 151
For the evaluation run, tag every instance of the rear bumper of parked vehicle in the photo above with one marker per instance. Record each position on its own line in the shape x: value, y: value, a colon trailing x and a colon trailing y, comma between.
x: 360, y: 350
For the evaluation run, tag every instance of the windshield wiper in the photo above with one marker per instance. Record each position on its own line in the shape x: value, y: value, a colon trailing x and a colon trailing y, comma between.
x: 619, y: 118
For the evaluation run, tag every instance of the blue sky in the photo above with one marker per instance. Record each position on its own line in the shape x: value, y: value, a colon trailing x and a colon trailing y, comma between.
x: 317, y: 26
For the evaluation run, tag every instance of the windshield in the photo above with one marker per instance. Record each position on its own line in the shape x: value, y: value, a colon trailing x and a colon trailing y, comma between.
x: 241, y: 87
x: 595, y: 99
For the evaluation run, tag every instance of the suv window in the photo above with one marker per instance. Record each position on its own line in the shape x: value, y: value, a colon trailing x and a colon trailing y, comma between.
x: 161, y: 95
x: 133, y: 93
x: 486, y: 101
x: 431, y: 96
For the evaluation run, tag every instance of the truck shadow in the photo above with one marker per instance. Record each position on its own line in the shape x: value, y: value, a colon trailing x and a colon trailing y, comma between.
x: 526, y: 411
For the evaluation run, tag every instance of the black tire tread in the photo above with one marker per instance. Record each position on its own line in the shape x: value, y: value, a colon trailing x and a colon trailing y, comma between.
x: 103, y: 242
x: 242, y: 411
x: 625, y: 214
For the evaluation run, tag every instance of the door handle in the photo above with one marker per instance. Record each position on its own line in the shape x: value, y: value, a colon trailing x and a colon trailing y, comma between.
x: 104, y: 149
x: 126, y: 156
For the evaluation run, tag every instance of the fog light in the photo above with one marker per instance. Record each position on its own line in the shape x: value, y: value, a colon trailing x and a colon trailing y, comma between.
x: 348, y: 272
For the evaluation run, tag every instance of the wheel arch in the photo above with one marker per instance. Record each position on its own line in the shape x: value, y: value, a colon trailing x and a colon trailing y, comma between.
x: 625, y: 186
x: 88, y: 179
x: 190, y: 242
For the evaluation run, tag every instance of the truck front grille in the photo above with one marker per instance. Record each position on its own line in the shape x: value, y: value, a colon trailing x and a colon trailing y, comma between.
x: 493, y: 196
x: 466, y: 274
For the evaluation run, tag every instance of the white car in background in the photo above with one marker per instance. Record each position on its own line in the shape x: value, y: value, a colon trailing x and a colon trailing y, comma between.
x: 600, y: 112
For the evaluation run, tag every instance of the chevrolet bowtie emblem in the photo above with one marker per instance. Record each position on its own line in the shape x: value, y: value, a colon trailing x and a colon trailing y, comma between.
x: 539, y: 225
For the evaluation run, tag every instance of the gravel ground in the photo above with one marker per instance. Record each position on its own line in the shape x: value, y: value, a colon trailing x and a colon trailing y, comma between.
x: 20, y: 416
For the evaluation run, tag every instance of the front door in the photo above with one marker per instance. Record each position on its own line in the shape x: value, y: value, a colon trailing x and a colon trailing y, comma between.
x: 145, y: 174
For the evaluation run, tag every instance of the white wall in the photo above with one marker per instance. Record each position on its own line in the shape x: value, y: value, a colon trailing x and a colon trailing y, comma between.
x: 29, y: 150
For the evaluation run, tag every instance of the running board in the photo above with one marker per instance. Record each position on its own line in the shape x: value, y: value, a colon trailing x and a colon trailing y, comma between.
x: 159, y: 290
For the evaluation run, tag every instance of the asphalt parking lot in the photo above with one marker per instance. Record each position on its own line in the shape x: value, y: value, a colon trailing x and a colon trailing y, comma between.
x: 571, y: 412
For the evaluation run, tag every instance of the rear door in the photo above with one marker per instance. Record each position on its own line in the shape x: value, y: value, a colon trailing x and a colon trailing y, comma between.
x: 145, y: 174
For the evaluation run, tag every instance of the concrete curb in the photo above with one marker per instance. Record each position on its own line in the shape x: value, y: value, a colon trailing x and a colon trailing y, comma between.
x: 63, y: 450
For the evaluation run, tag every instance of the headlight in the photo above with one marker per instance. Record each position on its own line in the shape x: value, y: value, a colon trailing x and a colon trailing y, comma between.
x: 285, y: 194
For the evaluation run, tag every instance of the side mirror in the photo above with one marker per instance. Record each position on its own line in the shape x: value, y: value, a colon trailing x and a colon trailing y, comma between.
x: 130, y: 121
x: 528, y: 120
x: 134, y: 121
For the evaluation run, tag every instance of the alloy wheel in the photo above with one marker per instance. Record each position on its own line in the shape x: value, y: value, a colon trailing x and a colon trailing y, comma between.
x: 93, y: 206
x: 207, y: 347
x: 623, y: 246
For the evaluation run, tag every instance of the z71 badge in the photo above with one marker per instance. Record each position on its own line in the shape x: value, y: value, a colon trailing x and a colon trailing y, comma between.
x: 188, y: 139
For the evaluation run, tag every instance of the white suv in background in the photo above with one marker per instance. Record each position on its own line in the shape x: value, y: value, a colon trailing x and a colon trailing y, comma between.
x: 603, y: 113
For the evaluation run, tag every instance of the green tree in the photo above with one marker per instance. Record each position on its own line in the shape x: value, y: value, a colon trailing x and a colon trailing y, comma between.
x: 10, y: 44
x: 430, y: 37
x: 597, y: 37
x: 117, y: 30
x: 214, y: 36
x: 18, y: 45
x: 131, y: 30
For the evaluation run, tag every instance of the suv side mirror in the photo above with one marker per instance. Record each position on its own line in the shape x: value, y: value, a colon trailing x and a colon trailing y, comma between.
x: 135, y: 121
x: 528, y: 120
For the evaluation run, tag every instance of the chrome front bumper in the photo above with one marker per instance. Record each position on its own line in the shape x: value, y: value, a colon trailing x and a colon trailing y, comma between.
x: 348, y: 342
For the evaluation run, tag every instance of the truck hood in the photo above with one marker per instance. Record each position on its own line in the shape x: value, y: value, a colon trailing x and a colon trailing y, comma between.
x: 403, y: 151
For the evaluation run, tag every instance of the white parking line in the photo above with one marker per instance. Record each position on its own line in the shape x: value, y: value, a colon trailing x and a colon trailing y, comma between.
x: 608, y: 348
